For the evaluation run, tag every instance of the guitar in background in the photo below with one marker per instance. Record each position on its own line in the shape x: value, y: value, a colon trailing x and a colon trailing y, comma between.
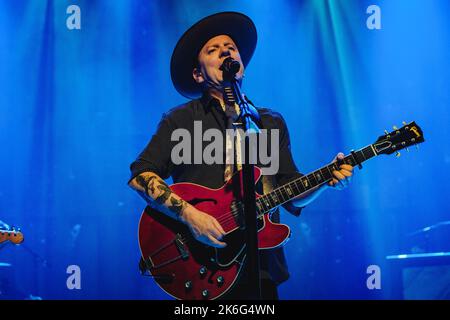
x: 12, y: 235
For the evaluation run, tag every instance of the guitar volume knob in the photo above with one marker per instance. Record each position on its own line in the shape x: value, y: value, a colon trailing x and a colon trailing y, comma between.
x: 202, y: 271
x: 220, y: 280
x: 188, y: 285
x: 205, y: 293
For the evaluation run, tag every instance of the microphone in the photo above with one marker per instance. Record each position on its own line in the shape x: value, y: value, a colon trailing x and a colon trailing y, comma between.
x: 232, y: 95
x: 230, y: 67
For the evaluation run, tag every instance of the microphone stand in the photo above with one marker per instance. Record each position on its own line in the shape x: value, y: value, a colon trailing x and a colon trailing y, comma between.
x: 248, y: 185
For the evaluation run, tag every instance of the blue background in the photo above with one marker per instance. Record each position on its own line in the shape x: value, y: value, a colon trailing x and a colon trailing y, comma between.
x: 77, y: 106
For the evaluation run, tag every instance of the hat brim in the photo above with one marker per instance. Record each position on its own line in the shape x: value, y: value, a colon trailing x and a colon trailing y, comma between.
x: 236, y: 25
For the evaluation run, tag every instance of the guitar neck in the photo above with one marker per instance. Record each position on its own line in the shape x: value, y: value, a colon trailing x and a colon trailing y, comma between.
x: 289, y: 191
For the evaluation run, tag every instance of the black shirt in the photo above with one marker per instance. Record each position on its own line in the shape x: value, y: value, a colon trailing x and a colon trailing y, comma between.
x: 156, y: 157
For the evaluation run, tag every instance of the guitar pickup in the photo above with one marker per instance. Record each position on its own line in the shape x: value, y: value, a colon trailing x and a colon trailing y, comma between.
x: 181, y: 247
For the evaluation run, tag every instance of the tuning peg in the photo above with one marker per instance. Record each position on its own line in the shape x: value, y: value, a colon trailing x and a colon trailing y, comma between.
x: 395, y: 127
x: 417, y: 146
x: 404, y: 123
x: 385, y: 131
x: 407, y: 149
x: 397, y: 154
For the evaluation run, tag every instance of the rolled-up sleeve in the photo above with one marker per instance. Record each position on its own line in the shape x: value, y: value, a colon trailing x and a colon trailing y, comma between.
x: 156, y: 155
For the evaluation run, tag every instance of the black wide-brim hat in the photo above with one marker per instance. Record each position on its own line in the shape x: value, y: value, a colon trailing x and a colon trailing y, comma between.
x: 236, y: 25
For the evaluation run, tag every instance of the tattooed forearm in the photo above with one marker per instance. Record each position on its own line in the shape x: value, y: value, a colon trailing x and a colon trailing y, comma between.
x: 177, y: 206
x: 146, y: 182
x: 158, y: 194
x: 151, y: 184
x: 164, y: 195
x: 140, y: 180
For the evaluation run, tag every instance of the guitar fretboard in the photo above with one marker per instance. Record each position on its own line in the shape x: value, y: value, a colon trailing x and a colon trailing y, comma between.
x: 307, y: 182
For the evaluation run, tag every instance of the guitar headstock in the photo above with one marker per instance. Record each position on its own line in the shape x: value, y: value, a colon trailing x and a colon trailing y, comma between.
x: 15, y: 236
x: 408, y: 135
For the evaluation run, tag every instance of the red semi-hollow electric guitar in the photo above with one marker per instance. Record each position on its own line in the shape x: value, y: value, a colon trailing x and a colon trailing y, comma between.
x: 188, y: 269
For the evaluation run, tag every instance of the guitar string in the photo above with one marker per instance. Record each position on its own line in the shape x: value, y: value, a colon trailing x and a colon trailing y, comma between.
x: 227, y: 217
x: 184, y: 241
x: 229, y: 220
x: 225, y: 221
